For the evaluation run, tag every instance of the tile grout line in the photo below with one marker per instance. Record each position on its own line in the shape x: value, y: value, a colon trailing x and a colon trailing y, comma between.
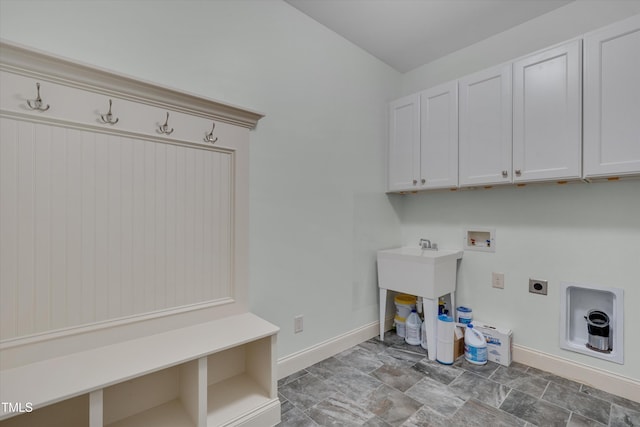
x: 451, y: 377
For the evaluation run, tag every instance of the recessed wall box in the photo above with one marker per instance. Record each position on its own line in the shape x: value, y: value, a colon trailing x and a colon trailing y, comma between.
x: 479, y: 239
x: 576, y: 301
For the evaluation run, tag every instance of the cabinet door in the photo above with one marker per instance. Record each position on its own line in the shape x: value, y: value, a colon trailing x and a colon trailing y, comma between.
x: 547, y: 114
x: 439, y: 137
x: 485, y: 127
x: 404, y: 144
x: 612, y: 100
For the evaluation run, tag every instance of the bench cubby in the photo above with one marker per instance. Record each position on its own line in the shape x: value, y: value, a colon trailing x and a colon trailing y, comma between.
x: 217, y: 373
x: 72, y: 412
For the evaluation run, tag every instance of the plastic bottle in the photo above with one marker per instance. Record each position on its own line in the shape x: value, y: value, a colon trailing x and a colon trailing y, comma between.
x: 404, y: 304
x: 475, y: 346
x: 412, y: 329
x: 444, y: 349
x: 465, y: 315
x: 423, y: 335
x: 400, y: 323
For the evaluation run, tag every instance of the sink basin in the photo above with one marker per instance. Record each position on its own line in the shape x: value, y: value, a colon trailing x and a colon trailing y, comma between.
x: 426, y: 273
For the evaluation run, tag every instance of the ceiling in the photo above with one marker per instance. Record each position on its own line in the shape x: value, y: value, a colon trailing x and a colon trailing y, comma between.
x: 408, y: 33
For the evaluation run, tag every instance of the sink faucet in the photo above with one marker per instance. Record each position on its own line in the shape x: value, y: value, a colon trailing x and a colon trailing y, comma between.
x: 426, y: 244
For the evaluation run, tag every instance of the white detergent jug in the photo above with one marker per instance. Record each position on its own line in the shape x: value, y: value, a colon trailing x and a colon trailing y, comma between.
x: 475, y: 346
x: 412, y: 328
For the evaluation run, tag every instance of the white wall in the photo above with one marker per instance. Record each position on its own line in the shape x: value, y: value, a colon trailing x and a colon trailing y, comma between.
x: 585, y: 233
x: 318, y: 209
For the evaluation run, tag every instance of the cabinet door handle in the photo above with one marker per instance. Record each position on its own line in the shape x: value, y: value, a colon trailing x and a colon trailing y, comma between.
x: 423, y: 180
x: 415, y: 182
x: 505, y: 174
x: 518, y: 172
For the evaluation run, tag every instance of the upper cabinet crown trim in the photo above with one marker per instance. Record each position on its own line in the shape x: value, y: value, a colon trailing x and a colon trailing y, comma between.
x: 18, y: 59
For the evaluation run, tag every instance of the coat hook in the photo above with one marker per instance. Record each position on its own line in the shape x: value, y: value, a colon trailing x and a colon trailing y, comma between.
x: 37, y: 104
x: 164, y: 129
x: 208, y: 137
x: 108, y: 118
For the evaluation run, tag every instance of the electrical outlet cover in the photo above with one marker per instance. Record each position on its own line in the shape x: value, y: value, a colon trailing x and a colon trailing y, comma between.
x: 297, y: 324
x: 537, y: 286
x: 497, y: 280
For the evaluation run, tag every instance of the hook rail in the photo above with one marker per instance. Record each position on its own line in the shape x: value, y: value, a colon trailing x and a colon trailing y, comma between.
x: 208, y: 137
x: 108, y: 118
x: 164, y: 129
x: 37, y: 104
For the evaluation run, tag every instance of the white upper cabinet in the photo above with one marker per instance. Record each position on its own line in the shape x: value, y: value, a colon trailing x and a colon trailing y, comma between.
x: 524, y: 121
x: 423, y: 143
x: 439, y: 137
x: 404, y: 144
x: 612, y: 100
x: 485, y: 127
x: 547, y: 114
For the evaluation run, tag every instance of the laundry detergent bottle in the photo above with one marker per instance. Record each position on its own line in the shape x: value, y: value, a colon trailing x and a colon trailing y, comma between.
x: 475, y: 346
x: 412, y: 328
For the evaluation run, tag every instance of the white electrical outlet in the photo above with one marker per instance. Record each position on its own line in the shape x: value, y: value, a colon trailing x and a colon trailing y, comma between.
x: 297, y: 324
x: 497, y: 280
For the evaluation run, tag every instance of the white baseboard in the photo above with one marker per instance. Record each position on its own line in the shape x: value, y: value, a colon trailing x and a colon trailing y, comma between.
x: 593, y: 377
x: 598, y: 378
x: 292, y: 363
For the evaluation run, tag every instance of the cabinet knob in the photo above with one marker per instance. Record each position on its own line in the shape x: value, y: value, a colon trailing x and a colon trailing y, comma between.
x: 423, y: 180
x: 415, y: 182
x: 518, y: 172
x: 505, y: 174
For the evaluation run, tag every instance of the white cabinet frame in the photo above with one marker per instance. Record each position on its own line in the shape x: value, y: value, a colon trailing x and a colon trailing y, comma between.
x: 404, y: 144
x: 439, y: 137
x: 612, y: 100
x: 486, y: 127
x: 547, y: 114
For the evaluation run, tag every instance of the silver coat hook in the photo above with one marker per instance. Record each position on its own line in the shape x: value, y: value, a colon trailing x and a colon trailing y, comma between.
x: 108, y: 118
x: 164, y: 129
x: 208, y: 137
x: 37, y: 104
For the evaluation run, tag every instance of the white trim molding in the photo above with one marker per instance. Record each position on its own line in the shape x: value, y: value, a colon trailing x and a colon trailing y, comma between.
x: 302, y: 359
x: 27, y: 61
x: 593, y: 377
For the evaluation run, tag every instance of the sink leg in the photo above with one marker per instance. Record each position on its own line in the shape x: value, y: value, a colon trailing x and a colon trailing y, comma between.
x: 383, y: 309
x: 430, y: 307
x: 452, y: 309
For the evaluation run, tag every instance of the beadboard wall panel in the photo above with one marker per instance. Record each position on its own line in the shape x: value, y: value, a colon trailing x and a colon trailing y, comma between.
x: 99, y: 226
x: 114, y: 227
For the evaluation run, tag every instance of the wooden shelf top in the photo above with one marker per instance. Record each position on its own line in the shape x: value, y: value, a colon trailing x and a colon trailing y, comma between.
x: 61, y: 378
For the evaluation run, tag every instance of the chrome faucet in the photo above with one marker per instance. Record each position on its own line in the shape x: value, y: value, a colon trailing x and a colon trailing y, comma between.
x: 426, y: 244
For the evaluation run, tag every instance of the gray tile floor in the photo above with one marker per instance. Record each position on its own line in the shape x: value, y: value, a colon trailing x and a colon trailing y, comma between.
x: 391, y: 383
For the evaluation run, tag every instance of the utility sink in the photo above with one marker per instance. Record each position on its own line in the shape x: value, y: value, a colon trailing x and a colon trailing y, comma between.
x: 426, y: 273
x: 415, y: 271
